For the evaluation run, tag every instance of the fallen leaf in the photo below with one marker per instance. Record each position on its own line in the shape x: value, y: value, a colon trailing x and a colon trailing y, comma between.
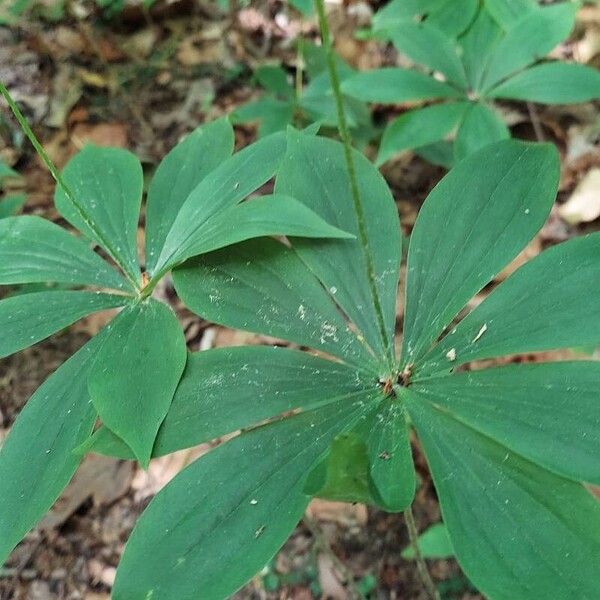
x: 341, y: 513
x: 584, y: 204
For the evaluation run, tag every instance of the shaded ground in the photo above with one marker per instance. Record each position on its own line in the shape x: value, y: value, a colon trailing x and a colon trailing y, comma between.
x: 141, y: 81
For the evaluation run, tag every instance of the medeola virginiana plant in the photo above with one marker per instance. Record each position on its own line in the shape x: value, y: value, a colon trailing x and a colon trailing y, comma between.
x: 484, y: 52
x: 509, y: 448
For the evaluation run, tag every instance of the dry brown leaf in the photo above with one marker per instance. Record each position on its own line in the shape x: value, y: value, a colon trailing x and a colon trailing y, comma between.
x: 342, y: 513
x: 329, y: 579
x: 532, y: 249
x: 102, y: 478
x: 584, y: 204
x: 102, y: 134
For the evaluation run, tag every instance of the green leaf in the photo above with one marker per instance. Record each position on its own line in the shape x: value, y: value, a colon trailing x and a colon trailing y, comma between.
x: 478, y: 218
x: 36, y: 460
x: 508, y: 12
x: 343, y: 475
x: 403, y: 10
x: 184, y: 167
x: 419, y: 127
x: 537, y: 308
x: 264, y: 216
x: 552, y: 83
x: 275, y: 79
x: 428, y: 46
x: 341, y: 265
x: 393, y: 85
x: 439, y: 153
x: 30, y: 318
x: 390, y: 456
x: 6, y: 172
x: 228, y: 184
x: 107, y: 183
x: 242, y: 499
x: 519, y: 531
x: 227, y: 389
x: 34, y: 250
x: 273, y: 115
x: 547, y: 412
x: 263, y: 286
x: 136, y: 372
x: 10, y: 205
x: 453, y: 16
x: 481, y: 126
x: 305, y: 7
x: 434, y: 542
x: 530, y: 39
x: 477, y: 44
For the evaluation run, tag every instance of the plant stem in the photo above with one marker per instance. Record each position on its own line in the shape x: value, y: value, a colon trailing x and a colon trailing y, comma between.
x: 24, y: 124
x: 421, y: 565
x: 347, y: 141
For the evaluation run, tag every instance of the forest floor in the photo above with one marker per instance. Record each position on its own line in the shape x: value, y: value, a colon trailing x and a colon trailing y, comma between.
x: 141, y: 80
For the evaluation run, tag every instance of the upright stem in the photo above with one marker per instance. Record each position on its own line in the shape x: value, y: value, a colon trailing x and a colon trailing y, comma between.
x: 347, y: 141
x: 22, y: 120
x: 421, y: 565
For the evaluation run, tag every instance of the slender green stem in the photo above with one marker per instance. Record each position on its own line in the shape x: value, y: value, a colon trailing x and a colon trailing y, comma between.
x: 22, y: 120
x: 421, y: 565
x: 347, y: 141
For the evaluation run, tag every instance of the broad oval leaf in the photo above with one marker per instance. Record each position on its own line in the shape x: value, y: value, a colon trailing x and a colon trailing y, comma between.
x: 107, y: 184
x: 547, y: 412
x: 394, y: 85
x: 428, y: 46
x: 481, y: 126
x: 262, y: 286
x: 537, y: 308
x: 518, y: 530
x: 531, y: 38
x: 227, y: 389
x: 452, y: 17
x: 552, y: 83
x: 478, y: 218
x: 37, y: 459
x: 136, y: 372
x: 29, y: 318
x: 182, y: 169
x: 263, y: 216
x: 34, y: 250
x: 242, y: 499
x: 228, y: 184
x: 343, y: 265
x: 420, y: 127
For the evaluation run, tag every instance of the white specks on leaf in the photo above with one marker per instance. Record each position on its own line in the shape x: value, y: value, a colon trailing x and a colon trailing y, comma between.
x: 480, y: 332
x: 451, y: 354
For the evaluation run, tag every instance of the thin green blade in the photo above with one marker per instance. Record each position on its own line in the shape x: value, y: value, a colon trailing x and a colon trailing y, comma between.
x: 393, y: 85
x: 552, y: 83
x: 34, y: 250
x: 264, y: 216
x: 184, y: 167
x: 537, y: 308
x: 29, y: 318
x: 228, y: 184
x: 547, y: 412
